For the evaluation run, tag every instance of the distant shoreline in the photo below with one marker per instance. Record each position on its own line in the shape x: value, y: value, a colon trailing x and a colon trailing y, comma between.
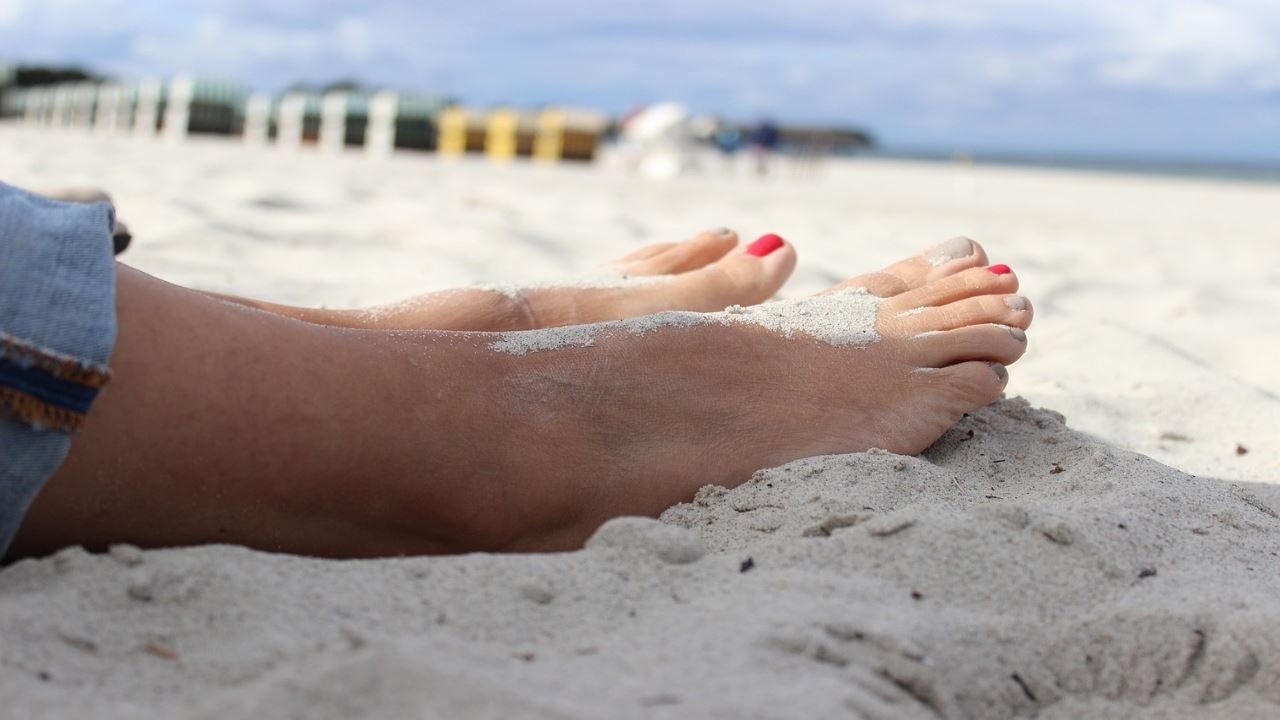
x: 1261, y: 173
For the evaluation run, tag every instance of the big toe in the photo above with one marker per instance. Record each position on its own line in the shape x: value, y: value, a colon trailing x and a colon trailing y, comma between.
x: 944, y: 259
x: 673, y: 258
x: 746, y: 275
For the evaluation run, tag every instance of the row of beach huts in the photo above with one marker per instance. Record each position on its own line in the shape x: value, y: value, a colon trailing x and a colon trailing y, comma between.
x: 378, y: 122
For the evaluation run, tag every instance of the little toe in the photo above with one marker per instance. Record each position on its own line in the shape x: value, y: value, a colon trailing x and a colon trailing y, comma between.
x: 971, y: 385
x: 948, y: 393
x: 990, y: 343
x: 1011, y: 310
x: 699, y: 251
x: 978, y: 281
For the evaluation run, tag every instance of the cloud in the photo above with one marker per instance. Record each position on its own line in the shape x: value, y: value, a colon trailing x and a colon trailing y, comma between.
x: 926, y: 71
x: 11, y: 12
x: 1194, y: 47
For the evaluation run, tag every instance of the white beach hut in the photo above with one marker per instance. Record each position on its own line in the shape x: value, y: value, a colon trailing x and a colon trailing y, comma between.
x: 147, y: 108
x: 257, y: 119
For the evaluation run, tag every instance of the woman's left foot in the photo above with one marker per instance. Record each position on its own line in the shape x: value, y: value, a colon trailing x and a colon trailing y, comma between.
x: 709, y: 272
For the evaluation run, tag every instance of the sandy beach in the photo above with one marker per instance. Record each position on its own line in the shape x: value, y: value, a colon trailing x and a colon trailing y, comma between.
x: 1102, y: 543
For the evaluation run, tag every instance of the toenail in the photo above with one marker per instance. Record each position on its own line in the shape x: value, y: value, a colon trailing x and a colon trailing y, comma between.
x: 1017, y: 334
x: 1000, y: 269
x: 722, y: 231
x: 953, y: 249
x: 764, y: 245
x: 1015, y: 302
x: 999, y: 370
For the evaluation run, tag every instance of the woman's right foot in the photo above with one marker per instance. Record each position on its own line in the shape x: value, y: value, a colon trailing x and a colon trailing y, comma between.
x: 531, y: 440
x: 635, y: 418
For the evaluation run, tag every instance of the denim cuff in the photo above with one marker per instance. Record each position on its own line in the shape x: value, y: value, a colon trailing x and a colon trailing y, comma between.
x: 57, y: 329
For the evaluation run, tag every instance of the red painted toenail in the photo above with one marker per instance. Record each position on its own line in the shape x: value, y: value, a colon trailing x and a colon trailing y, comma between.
x: 1000, y: 269
x: 764, y: 245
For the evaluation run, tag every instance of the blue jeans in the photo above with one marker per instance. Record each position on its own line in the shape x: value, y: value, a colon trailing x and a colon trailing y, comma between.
x: 57, y: 328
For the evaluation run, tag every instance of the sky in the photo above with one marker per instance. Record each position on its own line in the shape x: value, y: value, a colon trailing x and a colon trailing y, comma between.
x: 1121, y: 78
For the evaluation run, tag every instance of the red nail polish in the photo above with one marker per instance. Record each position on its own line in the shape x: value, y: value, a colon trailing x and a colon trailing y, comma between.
x: 1000, y: 269
x: 764, y: 245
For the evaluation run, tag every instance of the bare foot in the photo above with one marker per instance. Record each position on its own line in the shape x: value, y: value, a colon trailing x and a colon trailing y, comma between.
x: 709, y: 272
x: 645, y: 415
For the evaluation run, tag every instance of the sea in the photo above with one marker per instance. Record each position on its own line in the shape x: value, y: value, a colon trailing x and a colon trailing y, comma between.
x: 1261, y: 172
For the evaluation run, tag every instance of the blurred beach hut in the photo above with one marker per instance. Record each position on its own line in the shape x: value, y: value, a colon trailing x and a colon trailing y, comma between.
x: 13, y: 103
x: 106, y: 114
x: 417, y: 121
x: 259, y: 109
x: 380, y: 133
x: 9, y: 104
x: 146, y: 116
x: 509, y: 133
x: 462, y: 131
x: 198, y: 105
x: 568, y: 134
x: 84, y: 100
x: 344, y: 119
x: 117, y: 108
x: 297, y: 119
x: 63, y: 103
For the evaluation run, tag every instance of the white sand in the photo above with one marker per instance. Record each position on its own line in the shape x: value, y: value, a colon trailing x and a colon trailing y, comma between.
x: 1017, y: 568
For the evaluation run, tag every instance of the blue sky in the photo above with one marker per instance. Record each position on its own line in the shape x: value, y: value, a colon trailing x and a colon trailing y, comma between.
x: 1190, y: 78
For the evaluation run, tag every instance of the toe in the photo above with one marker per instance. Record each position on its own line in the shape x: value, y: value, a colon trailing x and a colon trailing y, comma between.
x: 643, y: 253
x: 880, y: 284
x: 996, y: 279
x: 991, y: 343
x: 698, y: 252
x: 944, y: 395
x: 1011, y: 310
x: 971, y: 385
x: 945, y: 258
x: 738, y: 278
x: 741, y: 277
